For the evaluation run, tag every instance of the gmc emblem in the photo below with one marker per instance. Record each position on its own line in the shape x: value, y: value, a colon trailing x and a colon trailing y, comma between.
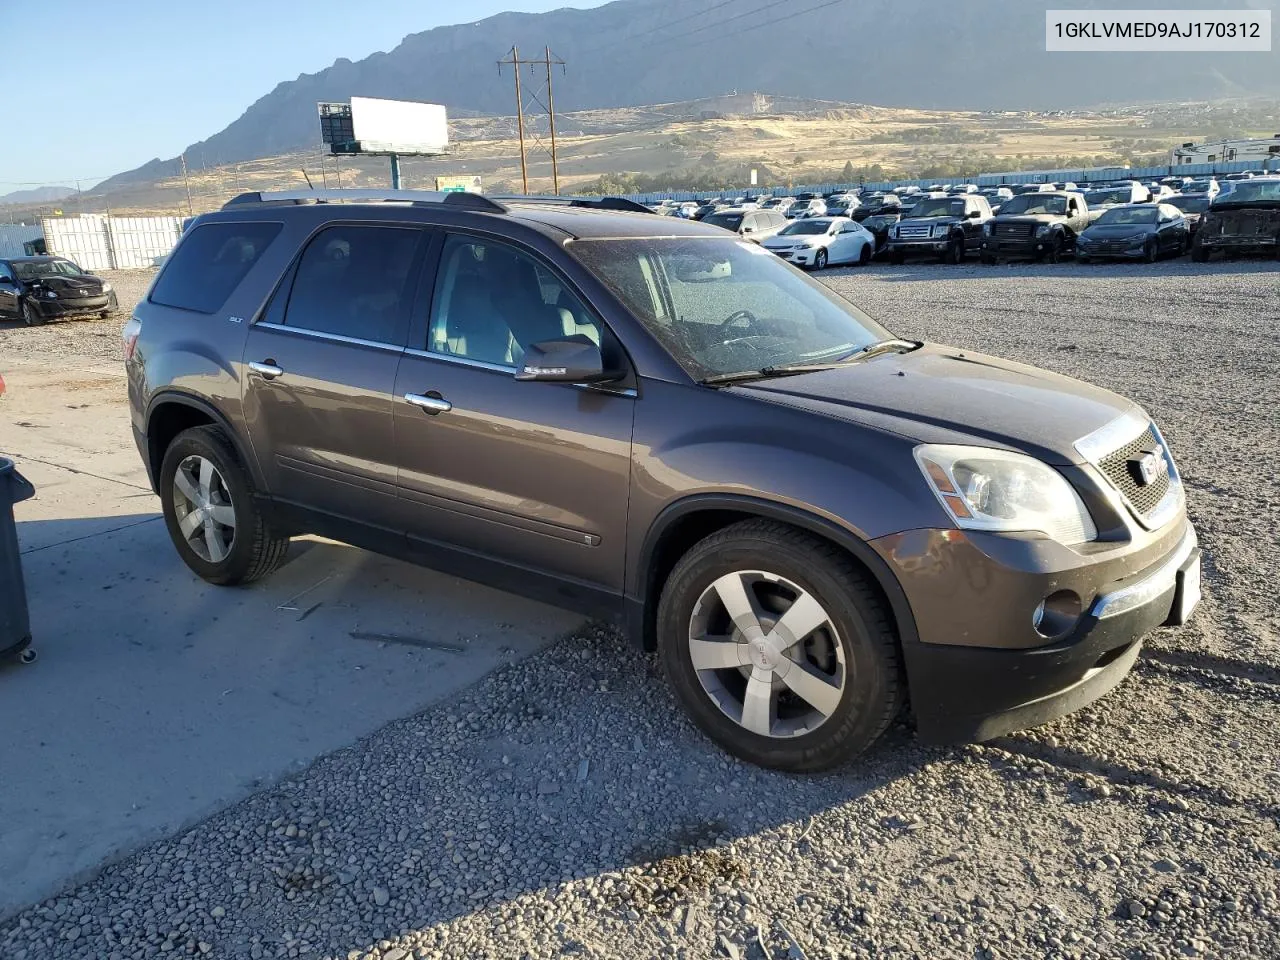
x: 1149, y: 466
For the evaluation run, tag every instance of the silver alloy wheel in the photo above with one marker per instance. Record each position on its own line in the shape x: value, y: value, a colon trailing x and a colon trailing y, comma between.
x: 202, y: 505
x: 767, y: 653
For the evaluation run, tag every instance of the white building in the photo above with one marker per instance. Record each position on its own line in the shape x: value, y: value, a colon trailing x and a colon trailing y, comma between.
x: 1228, y: 151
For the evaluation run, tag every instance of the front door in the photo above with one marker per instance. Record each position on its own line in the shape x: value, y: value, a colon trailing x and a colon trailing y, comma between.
x: 8, y: 291
x: 320, y: 366
x: 530, y: 474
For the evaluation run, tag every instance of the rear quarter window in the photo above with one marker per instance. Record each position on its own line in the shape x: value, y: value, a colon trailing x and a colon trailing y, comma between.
x: 209, y: 264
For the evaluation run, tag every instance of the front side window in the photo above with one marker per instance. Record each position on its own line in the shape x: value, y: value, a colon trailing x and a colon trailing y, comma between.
x: 492, y: 301
x: 209, y: 263
x: 356, y: 281
x: 723, y: 306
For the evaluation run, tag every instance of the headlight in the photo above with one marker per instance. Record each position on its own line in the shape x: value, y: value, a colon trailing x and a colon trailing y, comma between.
x: 1138, y: 238
x: 106, y: 288
x: 986, y: 489
x: 50, y: 295
x: 988, y: 228
x: 1043, y: 230
x: 893, y: 231
x: 941, y: 229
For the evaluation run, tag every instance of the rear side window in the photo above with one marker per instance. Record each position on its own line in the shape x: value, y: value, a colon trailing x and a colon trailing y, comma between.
x: 209, y: 264
x: 356, y: 281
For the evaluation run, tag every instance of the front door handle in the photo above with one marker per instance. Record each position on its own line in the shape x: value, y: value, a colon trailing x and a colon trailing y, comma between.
x: 433, y: 405
x: 266, y: 370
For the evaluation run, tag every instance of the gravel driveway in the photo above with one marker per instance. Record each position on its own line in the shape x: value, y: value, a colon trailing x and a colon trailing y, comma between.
x: 565, y: 806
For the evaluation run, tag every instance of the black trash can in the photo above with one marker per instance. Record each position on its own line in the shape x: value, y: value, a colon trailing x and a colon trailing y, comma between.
x: 15, y: 625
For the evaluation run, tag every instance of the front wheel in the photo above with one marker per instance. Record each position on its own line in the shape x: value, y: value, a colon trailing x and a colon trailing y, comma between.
x: 778, y: 648
x: 864, y: 255
x: 897, y: 258
x: 1199, y: 253
x: 954, y: 253
x: 212, y: 512
x: 1151, y: 251
x: 988, y: 260
x: 1054, y: 253
x: 30, y: 315
x: 820, y: 260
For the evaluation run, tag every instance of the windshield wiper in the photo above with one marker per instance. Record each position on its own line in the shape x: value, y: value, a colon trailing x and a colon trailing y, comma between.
x: 792, y: 369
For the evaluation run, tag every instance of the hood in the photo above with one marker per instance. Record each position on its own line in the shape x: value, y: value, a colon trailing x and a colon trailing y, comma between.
x: 83, y: 286
x: 941, y: 394
x: 792, y: 239
x: 1118, y: 231
x: 930, y: 221
x: 1030, y: 217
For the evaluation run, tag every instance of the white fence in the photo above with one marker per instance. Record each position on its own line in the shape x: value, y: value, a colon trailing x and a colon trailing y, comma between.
x: 97, y: 242
x: 14, y: 235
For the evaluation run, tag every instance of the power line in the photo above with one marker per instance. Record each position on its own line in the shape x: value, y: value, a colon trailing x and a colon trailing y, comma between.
x: 721, y: 23
x: 756, y: 26
x: 671, y: 23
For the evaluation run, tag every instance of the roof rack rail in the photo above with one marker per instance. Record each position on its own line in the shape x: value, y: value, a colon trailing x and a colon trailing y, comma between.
x: 591, y: 203
x: 470, y: 201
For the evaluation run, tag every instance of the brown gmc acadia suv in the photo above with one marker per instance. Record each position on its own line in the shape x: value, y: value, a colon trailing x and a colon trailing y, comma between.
x: 649, y: 421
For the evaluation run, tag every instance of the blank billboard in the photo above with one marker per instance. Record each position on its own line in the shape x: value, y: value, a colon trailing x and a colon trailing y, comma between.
x: 399, y: 126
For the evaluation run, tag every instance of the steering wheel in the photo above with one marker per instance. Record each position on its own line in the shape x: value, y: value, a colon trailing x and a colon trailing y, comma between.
x: 740, y: 315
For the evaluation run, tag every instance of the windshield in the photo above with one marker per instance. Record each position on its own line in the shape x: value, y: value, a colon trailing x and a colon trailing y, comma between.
x: 35, y: 269
x: 1099, y: 197
x: 807, y: 227
x: 1189, y: 204
x: 938, y: 208
x: 1197, y: 186
x: 1253, y: 191
x: 1026, y: 188
x: 722, y: 306
x: 1035, y: 203
x: 1127, y: 215
x: 730, y: 221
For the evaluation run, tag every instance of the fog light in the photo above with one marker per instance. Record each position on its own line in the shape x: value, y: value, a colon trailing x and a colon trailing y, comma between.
x: 1057, y: 614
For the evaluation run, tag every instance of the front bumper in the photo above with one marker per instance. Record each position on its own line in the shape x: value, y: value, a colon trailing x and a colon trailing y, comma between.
x: 973, y: 674
x: 1249, y: 244
x: 908, y: 247
x: 1109, y: 252
x: 801, y: 258
x: 50, y: 309
x: 995, y: 247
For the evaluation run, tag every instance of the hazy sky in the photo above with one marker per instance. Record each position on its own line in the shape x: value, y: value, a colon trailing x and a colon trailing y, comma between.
x: 100, y: 86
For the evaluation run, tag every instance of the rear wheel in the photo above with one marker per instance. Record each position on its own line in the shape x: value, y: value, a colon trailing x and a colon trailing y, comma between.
x: 30, y: 315
x: 212, y: 512
x: 778, y: 648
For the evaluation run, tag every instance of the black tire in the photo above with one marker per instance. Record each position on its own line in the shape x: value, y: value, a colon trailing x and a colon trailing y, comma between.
x: 896, y: 258
x: 257, y: 548
x: 1151, y: 251
x: 874, y: 690
x: 1080, y: 258
x: 30, y: 315
x: 1054, y: 253
x: 1199, y: 253
x: 954, y: 254
x: 820, y: 260
x: 864, y: 255
x: 988, y: 260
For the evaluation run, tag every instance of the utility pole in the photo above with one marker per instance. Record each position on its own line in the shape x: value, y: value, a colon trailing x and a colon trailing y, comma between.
x: 551, y: 112
x: 186, y: 182
x: 514, y: 60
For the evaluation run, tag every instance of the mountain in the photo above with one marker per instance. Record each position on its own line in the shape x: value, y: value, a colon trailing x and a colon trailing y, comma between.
x: 983, y: 54
x: 37, y: 195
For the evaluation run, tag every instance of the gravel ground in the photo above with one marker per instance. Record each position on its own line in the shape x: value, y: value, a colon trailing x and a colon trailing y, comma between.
x: 565, y: 807
x: 88, y: 340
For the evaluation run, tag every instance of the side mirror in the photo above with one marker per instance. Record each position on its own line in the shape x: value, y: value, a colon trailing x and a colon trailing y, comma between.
x: 572, y: 359
x: 748, y: 229
x: 974, y: 214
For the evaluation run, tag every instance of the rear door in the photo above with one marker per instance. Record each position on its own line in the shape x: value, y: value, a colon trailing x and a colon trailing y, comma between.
x: 533, y: 475
x: 320, y: 365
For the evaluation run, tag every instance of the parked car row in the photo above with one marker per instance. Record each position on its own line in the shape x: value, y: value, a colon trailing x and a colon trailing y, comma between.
x: 1122, y: 219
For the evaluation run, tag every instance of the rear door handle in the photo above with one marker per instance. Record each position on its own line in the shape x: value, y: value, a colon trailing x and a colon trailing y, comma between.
x: 268, y: 371
x: 430, y: 404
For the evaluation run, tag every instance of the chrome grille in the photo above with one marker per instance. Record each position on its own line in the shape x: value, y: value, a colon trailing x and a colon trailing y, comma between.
x: 909, y: 231
x: 1118, y: 468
